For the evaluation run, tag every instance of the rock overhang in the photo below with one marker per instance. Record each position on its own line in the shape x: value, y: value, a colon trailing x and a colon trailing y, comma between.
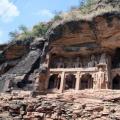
x: 102, y: 29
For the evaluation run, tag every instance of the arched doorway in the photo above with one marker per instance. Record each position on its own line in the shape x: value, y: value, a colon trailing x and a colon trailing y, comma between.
x: 116, y: 82
x: 70, y: 81
x: 116, y: 59
x: 54, y: 81
x: 86, y: 81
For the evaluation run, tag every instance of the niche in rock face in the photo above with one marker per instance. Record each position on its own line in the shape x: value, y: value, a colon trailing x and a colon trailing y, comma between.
x: 116, y: 59
x: 116, y: 82
x: 70, y: 81
x: 54, y: 81
x: 86, y: 81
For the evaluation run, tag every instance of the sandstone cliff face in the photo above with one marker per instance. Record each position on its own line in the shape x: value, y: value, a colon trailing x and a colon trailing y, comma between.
x: 103, y: 29
x: 100, y: 23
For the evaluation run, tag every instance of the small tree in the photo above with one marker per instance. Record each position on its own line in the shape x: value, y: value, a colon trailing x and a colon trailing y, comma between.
x: 23, y: 29
x: 14, y: 34
x: 40, y: 29
x: 57, y: 16
x: 85, y: 5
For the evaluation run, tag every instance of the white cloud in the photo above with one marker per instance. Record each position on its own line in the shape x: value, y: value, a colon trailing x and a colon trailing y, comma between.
x: 45, y: 13
x: 1, y: 33
x: 8, y: 11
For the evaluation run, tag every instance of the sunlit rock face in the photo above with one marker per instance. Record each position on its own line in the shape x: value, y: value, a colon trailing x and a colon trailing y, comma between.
x: 102, y: 29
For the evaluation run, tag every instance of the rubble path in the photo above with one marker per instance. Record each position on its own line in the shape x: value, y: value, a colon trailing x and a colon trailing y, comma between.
x: 70, y: 105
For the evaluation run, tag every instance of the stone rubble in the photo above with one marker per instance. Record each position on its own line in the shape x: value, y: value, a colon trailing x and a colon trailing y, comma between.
x: 71, y: 105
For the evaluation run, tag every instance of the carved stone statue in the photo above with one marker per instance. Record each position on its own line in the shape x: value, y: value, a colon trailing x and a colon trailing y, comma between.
x: 36, y: 89
x: 60, y: 64
x: 101, y: 80
x: 103, y: 59
x: 36, y: 85
x: 70, y: 63
x: 77, y: 63
x: 95, y: 81
x: 93, y: 62
x: 55, y: 62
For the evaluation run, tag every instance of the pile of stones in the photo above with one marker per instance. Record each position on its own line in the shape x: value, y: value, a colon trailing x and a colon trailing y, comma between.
x: 82, y: 105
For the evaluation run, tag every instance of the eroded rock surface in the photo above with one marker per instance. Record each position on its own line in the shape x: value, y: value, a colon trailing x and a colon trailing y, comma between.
x: 81, y: 105
x: 20, y: 61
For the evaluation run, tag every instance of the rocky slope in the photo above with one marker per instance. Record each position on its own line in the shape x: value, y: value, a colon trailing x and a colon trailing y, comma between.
x: 82, y: 105
x: 19, y: 62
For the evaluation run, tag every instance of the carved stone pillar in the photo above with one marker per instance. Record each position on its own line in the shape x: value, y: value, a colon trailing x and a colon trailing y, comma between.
x: 77, y: 86
x: 80, y: 87
x: 62, y: 84
x: 39, y: 85
x: 105, y: 61
x: 94, y: 76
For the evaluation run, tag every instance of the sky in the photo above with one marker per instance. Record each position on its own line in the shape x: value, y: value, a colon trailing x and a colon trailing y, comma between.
x: 14, y: 13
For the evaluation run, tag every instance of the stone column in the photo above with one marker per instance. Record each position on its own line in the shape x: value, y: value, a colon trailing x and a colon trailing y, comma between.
x: 94, y: 76
x: 62, y: 84
x: 77, y: 86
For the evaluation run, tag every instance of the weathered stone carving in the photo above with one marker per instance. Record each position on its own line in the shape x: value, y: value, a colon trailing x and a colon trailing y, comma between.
x: 103, y: 59
x: 69, y: 64
x: 101, y: 79
x: 36, y: 84
x: 93, y: 62
x: 60, y: 64
x: 77, y: 63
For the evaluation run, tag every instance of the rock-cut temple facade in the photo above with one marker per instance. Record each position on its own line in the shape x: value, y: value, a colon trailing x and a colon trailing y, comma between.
x: 75, y: 55
x: 82, y: 55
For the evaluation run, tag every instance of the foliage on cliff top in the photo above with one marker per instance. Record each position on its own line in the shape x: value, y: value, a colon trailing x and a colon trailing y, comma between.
x: 24, y: 33
x: 91, y: 8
